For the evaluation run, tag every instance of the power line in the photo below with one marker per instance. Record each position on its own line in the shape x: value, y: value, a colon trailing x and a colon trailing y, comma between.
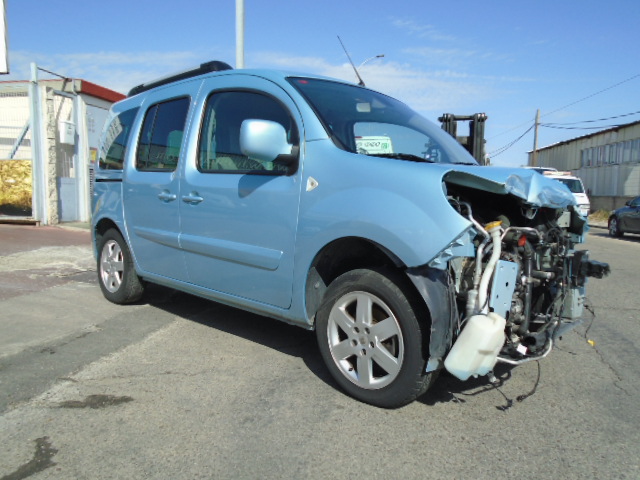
x: 594, y: 94
x: 599, y: 127
x: 509, y: 145
x: 511, y: 129
x: 558, y: 125
x: 503, y: 149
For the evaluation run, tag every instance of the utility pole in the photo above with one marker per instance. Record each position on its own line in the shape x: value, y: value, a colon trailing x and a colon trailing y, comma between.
x: 534, y: 156
x: 239, y: 33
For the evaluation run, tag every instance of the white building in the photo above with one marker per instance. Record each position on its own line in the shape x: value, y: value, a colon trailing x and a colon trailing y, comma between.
x: 44, y: 177
x: 608, y: 162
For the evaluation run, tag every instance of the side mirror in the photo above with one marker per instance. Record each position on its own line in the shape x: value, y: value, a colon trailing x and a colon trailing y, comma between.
x: 266, y: 141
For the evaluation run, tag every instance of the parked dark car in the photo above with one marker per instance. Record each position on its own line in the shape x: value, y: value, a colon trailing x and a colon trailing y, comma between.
x: 625, y: 219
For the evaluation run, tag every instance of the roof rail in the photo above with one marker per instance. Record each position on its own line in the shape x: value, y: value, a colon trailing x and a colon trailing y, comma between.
x: 213, y: 66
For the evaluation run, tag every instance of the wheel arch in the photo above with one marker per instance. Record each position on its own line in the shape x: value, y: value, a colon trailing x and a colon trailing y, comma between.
x: 100, y: 228
x: 430, y: 288
x: 340, y: 256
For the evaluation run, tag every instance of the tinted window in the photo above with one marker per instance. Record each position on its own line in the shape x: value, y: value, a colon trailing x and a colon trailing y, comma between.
x: 114, y: 140
x: 161, y: 136
x: 219, y: 149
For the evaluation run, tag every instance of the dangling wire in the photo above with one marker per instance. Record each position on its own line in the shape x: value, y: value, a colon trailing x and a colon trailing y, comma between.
x: 522, y: 398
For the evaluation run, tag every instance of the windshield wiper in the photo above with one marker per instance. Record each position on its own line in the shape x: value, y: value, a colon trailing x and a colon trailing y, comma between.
x: 402, y: 156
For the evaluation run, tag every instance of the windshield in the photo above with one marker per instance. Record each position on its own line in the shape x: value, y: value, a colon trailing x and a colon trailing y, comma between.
x: 362, y: 121
x: 573, y: 184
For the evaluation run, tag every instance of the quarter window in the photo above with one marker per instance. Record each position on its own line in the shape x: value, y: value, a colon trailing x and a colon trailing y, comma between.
x: 219, y: 149
x: 161, y: 136
x: 114, y: 140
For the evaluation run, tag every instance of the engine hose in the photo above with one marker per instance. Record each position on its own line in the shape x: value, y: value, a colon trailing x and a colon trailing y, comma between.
x: 528, y: 292
x: 494, y: 230
x: 472, y: 295
x: 528, y: 359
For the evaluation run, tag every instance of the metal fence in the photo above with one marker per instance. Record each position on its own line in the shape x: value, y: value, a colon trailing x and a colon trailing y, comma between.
x: 15, y: 138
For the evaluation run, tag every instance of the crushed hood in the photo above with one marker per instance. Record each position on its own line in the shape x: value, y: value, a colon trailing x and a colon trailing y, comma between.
x: 535, y: 189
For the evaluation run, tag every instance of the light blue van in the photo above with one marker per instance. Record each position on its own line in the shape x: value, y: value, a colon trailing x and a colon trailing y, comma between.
x: 336, y: 208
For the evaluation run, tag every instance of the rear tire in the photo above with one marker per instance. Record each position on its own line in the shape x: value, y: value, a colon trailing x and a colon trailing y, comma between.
x: 116, y: 273
x: 371, y: 337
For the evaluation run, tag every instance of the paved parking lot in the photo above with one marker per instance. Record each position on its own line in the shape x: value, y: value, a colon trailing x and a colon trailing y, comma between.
x: 179, y: 387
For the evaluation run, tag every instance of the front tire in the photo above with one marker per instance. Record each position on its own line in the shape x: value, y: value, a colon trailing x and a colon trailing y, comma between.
x: 116, y: 273
x: 614, y: 228
x: 371, y: 337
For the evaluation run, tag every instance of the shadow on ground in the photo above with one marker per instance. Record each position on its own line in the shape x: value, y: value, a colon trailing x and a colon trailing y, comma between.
x: 298, y: 342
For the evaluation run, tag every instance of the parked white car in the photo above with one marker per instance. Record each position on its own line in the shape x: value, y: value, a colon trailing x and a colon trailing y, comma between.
x: 576, y: 187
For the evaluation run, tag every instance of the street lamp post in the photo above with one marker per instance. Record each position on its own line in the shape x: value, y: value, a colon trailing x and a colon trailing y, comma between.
x: 239, y: 33
x: 372, y: 58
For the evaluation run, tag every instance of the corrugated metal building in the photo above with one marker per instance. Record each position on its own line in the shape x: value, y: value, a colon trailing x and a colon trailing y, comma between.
x: 608, y: 162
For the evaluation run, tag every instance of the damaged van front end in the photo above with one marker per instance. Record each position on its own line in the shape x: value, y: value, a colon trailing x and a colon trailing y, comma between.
x: 339, y: 209
x: 513, y: 282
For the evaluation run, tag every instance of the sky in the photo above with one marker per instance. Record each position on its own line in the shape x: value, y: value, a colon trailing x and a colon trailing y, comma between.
x: 576, y: 61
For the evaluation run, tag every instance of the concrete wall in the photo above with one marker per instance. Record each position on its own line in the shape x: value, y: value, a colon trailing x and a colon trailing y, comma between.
x: 608, y: 203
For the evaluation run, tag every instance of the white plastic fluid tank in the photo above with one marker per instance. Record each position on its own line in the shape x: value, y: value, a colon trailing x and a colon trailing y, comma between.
x: 476, y: 350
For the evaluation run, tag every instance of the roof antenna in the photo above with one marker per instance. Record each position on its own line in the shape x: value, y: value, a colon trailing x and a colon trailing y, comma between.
x: 360, y: 82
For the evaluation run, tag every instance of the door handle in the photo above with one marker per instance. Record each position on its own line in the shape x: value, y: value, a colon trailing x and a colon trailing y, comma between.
x: 193, y: 198
x: 167, y: 196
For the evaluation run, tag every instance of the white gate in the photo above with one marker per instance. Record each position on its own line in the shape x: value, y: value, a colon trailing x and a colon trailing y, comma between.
x: 16, y: 167
x: 49, y: 132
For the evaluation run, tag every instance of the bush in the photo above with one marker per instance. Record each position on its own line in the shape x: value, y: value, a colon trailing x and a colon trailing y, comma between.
x: 600, y: 216
x: 15, y: 187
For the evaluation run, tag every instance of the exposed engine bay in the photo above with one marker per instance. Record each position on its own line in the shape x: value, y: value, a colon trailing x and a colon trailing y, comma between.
x: 523, y: 288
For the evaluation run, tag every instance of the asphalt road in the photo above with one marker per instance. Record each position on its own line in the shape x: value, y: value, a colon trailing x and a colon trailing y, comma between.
x: 178, y: 387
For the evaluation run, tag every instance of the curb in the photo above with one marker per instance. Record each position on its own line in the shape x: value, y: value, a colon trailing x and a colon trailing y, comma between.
x: 77, y: 226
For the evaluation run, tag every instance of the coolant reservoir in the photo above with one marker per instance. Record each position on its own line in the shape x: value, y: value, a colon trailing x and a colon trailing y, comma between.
x: 475, y: 352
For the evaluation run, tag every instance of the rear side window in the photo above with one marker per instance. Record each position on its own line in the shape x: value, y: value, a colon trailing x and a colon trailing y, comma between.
x: 114, y: 140
x: 161, y: 136
x: 219, y: 149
